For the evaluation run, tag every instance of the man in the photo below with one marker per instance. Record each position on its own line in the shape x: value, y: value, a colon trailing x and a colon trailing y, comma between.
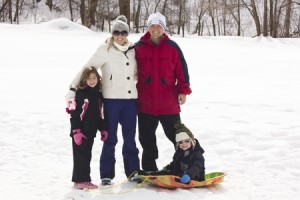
x: 163, y: 83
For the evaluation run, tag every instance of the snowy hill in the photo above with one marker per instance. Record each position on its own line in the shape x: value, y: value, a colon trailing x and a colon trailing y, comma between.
x: 244, y: 110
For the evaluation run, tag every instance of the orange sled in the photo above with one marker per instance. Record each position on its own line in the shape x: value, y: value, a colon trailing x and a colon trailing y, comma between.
x: 172, y: 182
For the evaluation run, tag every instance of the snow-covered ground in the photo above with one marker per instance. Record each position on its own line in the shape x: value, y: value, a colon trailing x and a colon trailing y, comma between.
x: 244, y: 109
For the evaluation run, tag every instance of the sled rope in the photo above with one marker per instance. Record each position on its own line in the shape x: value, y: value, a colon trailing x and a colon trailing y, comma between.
x: 100, y: 190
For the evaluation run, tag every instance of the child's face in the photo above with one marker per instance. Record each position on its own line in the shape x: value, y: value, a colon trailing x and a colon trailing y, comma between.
x: 92, y: 80
x: 185, y: 144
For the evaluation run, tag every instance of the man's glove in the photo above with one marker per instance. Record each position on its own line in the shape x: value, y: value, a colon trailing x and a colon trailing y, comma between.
x: 104, y: 135
x: 185, y: 179
x: 71, y: 103
x: 78, y: 135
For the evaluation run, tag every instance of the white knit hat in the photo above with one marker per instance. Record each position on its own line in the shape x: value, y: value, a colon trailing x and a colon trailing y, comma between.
x: 120, y: 24
x: 157, y: 18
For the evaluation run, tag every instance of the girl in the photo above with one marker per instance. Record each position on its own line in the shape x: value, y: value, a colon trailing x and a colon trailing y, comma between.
x: 85, y: 121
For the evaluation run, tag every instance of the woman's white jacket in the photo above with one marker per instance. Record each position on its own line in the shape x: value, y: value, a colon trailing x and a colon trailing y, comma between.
x: 118, y: 70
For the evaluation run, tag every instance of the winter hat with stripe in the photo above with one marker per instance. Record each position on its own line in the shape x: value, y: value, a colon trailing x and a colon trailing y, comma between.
x: 183, y: 133
x: 120, y: 24
x: 157, y: 18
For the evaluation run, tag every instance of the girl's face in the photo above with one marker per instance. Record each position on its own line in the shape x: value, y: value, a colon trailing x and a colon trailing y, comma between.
x: 92, y: 80
x: 120, y: 37
x: 185, y: 144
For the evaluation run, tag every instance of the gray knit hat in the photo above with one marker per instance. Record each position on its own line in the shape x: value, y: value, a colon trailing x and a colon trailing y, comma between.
x: 120, y: 24
x: 183, y: 133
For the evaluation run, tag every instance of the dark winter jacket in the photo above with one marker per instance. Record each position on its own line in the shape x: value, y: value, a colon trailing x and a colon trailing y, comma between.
x: 88, y: 114
x: 190, y: 161
x: 162, y: 75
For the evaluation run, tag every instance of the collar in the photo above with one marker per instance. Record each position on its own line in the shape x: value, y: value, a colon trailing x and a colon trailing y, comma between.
x: 120, y: 47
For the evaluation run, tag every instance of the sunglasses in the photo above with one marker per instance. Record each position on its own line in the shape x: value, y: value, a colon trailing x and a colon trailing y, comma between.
x: 117, y: 33
x: 184, y: 141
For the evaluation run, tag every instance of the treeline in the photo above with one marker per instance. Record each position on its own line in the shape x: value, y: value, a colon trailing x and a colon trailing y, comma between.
x: 275, y: 18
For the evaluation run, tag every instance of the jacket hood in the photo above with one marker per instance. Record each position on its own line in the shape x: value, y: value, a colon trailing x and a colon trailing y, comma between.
x: 198, y: 147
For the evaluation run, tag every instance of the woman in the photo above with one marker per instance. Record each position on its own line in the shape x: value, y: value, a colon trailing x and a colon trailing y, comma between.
x: 116, y: 60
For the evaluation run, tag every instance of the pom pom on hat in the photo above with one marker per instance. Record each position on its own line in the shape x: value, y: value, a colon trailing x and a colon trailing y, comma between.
x: 183, y: 133
x: 157, y: 18
x: 120, y: 24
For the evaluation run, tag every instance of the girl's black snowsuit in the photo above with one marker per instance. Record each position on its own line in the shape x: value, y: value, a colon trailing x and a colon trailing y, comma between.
x: 190, y: 161
x: 88, y: 118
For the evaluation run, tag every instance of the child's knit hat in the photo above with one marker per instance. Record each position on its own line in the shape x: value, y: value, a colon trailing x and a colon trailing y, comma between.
x: 183, y: 133
x: 120, y: 24
x: 157, y: 18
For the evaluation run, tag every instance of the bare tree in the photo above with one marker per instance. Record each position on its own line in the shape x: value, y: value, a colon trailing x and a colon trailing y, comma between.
x: 3, y: 7
x: 271, y: 17
x: 211, y: 14
x: 265, y: 18
x: 18, y: 7
x: 137, y: 17
x: 92, y: 12
x: 200, y: 13
x: 124, y: 6
x: 180, y: 15
x: 287, y: 21
x: 49, y: 3
x: 82, y: 12
x: 235, y: 7
x: 71, y: 9
x: 253, y: 11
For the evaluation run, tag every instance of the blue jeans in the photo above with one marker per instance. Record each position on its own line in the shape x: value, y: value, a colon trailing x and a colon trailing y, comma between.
x: 123, y: 111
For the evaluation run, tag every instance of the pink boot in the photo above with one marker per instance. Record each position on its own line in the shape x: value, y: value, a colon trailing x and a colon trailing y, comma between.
x: 83, y: 185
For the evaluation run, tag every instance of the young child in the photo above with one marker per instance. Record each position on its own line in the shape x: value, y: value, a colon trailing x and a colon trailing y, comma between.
x: 85, y: 120
x: 188, y: 160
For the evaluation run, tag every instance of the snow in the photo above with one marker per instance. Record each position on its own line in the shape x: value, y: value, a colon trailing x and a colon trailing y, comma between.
x: 244, y: 110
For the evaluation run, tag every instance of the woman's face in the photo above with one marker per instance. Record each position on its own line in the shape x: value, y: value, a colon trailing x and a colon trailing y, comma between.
x: 120, y: 37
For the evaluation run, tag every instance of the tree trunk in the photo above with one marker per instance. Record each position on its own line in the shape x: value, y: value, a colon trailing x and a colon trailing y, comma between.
x: 16, y: 17
x: 92, y: 12
x: 212, y: 16
x: 124, y: 6
x: 271, y: 18
x: 253, y: 12
x: 137, y: 17
x: 179, y: 16
x: 49, y: 3
x: 82, y: 12
x: 4, y: 6
x: 265, y: 19
x: 276, y: 13
x: 239, y: 18
x: 10, y: 11
x: 287, y: 21
x: 199, y: 28
x: 71, y: 10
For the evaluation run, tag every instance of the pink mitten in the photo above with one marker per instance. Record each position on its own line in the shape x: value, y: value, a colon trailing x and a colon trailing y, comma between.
x: 104, y: 135
x: 78, y: 136
x: 71, y: 105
